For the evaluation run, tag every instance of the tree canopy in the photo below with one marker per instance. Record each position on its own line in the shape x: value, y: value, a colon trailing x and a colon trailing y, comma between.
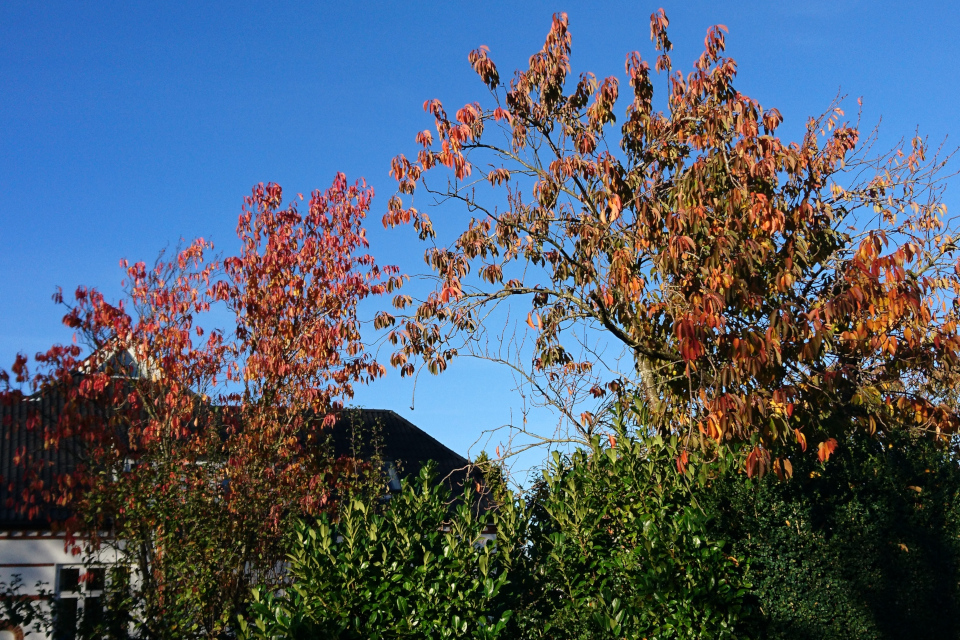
x: 195, y: 446
x: 755, y: 290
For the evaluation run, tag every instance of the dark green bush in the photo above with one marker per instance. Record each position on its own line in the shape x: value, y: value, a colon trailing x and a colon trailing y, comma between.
x: 866, y: 546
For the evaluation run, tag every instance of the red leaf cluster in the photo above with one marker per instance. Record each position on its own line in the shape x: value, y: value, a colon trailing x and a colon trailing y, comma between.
x: 176, y: 422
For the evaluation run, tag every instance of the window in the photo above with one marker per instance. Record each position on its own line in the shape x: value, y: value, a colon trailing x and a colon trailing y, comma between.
x: 78, y: 596
x: 96, y: 579
x: 69, y: 579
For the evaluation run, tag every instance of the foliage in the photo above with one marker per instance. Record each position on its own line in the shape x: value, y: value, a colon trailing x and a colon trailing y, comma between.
x: 610, y: 545
x: 865, y: 546
x: 410, y: 568
x: 40, y: 612
x: 618, y: 547
x: 761, y: 291
x: 764, y: 293
x: 495, y: 479
x: 196, y: 447
x: 24, y: 611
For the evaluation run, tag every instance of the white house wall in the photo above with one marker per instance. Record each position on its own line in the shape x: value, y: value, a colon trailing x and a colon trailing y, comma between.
x: 37, y: 557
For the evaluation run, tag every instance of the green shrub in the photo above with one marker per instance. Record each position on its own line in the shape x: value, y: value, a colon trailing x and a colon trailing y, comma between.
x: 617, y: 549
x: 411, y: 568
x: 625, y: 540
x: 866, y: 546
x: 611, y: 544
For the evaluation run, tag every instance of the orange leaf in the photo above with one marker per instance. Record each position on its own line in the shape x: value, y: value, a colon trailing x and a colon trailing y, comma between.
x: 826, y: 449
x: 801, y: 439
x: 682, y: 462
x: 784, y: 468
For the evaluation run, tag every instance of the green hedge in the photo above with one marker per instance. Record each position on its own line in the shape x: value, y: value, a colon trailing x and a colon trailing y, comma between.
x: 405, y: 568
x: 617, y: 548
x: 610, y: 546
x: 622, y: 542
x: 866, y: 546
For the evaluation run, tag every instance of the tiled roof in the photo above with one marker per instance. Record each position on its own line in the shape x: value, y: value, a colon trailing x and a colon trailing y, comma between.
x: 359, y: 433
x: 15, y: 437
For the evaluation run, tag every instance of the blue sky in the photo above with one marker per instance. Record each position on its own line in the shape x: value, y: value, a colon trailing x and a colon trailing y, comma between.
x: 124, y: 128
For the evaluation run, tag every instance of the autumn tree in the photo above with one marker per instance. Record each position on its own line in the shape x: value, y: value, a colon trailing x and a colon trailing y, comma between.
x: 749, y: 289
x: 195, y: 446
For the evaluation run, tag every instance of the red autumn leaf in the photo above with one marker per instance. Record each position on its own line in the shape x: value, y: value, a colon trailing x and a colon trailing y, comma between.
x: 751, y: 464
x: 163, y: 397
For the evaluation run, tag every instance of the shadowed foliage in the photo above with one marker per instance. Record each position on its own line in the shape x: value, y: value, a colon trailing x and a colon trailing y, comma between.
x: 864, y: 546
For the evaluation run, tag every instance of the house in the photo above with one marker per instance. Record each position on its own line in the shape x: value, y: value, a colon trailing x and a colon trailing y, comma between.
x: 32, y: 547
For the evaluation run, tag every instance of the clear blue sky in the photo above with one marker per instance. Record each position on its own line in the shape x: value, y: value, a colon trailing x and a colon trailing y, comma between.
x: 124, y: 128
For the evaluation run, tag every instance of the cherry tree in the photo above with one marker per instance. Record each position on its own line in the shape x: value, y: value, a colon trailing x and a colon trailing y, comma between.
x: 193, y: 447
x: 749, y: 289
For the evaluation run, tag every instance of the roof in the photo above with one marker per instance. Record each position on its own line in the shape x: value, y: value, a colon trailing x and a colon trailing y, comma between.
x: 18, y: 436
x: 358, y: 433
x: 361, y: 432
